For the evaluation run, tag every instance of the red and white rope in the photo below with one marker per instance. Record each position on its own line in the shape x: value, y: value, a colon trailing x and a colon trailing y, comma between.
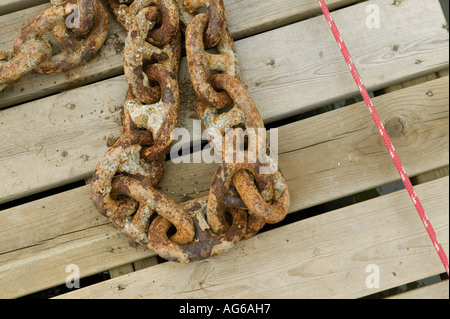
x: 387, y: 141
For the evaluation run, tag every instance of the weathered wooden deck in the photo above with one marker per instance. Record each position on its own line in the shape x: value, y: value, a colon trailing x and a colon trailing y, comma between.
x: 54, y: 130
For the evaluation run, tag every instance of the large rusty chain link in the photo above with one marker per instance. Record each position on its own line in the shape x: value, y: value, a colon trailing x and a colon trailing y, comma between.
x: 79, y: 40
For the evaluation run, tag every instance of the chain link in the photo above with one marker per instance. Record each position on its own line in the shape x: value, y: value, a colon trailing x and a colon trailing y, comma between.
x: 202, y: 64
x: 215, y: 13
x: 79, y: 42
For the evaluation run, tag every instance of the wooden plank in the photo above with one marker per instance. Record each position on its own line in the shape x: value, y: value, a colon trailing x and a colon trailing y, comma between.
x: 415, y: 81
x: 322, y: 76
x: 290, y: 65
x: 65, y: 130
x: 145, y: 263
x: 63, y: 144
x: 320, y: 257
x: 8, y: 6
x: 443, y: 73
x: 121, y: 270
x: 339, y: 154
x: 109, y: 62
x: 94, y: 245
x: 429, y: 176
x: 421, y: 79
x: 275, y: 15
x: 440, y: 172
x: 439, y: 290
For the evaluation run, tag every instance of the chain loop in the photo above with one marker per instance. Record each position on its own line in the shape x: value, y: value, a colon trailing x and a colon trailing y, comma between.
x: 124, y: 156
x: 204, y: 245
x: 257, y: 205
x: 160, y: 203
x: 160, y: 118
x: 127, y: 11
x: 221, y: 186
x: 74, y: 51
x: 138, y: 51
x: 202, y: 64
x: 216, y: 18
x: 31, y: 53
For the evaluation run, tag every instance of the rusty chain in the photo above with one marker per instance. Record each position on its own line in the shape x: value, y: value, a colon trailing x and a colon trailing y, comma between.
x: 242, y: 199
x: 79, y: 40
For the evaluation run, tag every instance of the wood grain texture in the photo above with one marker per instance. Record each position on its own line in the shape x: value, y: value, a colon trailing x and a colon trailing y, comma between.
x: 246, y: 19
x: 434, y: 174
x: 440, y: 172
x: 9, y: 6
x: 325, y: 157
x: 121, y: 270
x: 298, y: 65
x: 320, y: 257
x: 64, y: 127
